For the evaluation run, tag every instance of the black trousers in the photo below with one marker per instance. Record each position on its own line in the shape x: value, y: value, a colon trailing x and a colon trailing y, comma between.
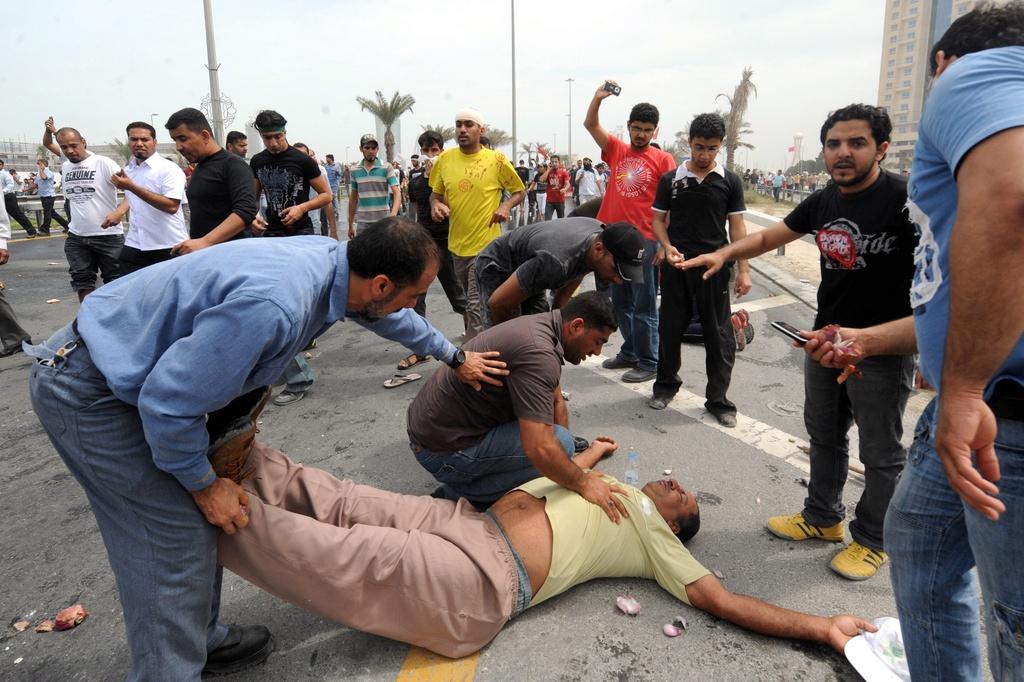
x: 132, y: 259
x: 679, y: 292
x: 449, y: 282
x: 15, y: 212
x: 11, y: 333
x: 49, y: 213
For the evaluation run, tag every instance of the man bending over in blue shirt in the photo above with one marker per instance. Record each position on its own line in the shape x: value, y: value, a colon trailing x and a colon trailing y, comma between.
x: 125, y: 392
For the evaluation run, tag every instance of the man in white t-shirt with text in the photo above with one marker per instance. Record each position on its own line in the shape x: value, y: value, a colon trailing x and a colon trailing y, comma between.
x: 94, y: 243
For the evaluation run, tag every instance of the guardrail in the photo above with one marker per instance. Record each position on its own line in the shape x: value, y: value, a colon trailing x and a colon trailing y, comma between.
x: 34, y: 204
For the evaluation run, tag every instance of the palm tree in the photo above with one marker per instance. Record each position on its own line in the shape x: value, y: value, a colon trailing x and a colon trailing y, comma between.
x: 735, y: 126
x: 447, y: 133
x: 387, y: 113
x: 124, y: 150
x: 679, y: 148
x: 498, y: 137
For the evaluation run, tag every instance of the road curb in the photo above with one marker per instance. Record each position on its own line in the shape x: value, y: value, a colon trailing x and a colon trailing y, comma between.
x: 801, y: 290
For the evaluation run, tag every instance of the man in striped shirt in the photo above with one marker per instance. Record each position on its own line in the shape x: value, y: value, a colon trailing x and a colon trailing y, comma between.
x: 372, y: 184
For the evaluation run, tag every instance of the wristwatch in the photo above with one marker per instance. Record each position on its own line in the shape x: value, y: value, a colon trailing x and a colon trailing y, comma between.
x: 458, y: 359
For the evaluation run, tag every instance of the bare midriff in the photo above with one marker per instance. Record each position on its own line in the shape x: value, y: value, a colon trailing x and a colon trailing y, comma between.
x: 525, y: 522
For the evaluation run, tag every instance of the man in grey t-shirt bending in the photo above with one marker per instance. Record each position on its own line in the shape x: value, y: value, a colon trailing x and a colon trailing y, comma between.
x: 515, y: 270
x: 481, y: 444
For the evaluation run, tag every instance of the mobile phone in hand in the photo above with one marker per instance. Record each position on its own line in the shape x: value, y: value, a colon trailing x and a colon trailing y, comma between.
x: 612, y: 88
x: 790, y: 331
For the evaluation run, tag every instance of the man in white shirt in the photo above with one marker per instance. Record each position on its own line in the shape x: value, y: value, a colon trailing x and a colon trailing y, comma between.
x: 586, y: 182
x: 96, y: 237
x: 153, y: 191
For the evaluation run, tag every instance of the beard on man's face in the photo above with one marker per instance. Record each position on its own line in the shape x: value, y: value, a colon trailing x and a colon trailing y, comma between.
x: 375, y: 310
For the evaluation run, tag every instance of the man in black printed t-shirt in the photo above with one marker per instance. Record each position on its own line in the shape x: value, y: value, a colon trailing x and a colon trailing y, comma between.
x: 867, y: 246
x: 284, y: 175
x: 691, y: 207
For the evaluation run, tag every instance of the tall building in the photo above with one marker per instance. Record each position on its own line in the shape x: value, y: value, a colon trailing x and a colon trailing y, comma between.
x: 911, y: 28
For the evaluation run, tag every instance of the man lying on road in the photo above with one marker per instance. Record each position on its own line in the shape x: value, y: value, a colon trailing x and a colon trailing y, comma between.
x: 442, y: 576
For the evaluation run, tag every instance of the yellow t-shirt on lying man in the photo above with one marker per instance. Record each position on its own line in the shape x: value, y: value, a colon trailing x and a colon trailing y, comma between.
x: 586, y: 544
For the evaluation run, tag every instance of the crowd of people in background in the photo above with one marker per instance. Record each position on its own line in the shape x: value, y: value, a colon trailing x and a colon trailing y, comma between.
x: 171, y: 396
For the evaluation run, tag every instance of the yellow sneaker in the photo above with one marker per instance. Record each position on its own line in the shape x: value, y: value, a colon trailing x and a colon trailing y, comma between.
x: 796, y: 528
x: 858, y: 562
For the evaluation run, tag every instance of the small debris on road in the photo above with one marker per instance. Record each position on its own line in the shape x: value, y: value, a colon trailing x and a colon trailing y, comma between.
x: 718, y: 574
x: 671, y: 630
x: 45, y: 626
x: 627, y: 605
x: 70, y: 617
x: 802, y: 480
x: 22, y: 625
x: 667, y: 472
x: 53, y: 300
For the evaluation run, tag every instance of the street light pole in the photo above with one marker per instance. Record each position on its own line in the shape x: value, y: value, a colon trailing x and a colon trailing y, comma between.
x: 554, y: 143
x: 569, y: 81
x: 515, y: 149
x: 151, y: 117
x: 213, y: 67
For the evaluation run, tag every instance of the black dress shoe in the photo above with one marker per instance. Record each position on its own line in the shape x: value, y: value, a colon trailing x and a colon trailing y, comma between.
x: 243, y: 648
x: 13, y: 349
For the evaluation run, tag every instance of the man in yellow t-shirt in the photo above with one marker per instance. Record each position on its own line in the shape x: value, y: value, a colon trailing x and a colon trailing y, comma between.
x: 466, y: 187
x: 440, y: 575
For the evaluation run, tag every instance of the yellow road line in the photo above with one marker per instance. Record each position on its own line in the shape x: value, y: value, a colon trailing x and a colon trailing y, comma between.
x: 425, y: 666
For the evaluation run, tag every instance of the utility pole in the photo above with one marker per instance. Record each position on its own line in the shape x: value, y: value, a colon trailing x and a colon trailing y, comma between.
x: 213, y: 66
x: 515, y: 149
x: 569, y: 81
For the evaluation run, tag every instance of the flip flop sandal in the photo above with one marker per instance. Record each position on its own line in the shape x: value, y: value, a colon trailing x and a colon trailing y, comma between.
x: 399, y: 379
x: 416, y: 359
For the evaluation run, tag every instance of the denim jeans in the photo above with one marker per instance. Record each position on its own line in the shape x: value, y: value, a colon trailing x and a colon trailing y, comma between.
x: 875, y: 402
x: 89, y: 255
x: 160, y: 547
x: 934, y: 541
x: 636, y: 309
x: 489, y: 469
x: 298, y: 375
x: 554, y: 208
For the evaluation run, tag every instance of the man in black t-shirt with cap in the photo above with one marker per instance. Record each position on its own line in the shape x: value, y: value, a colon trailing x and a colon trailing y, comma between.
x: 515, y: 271
x: 284, y: 176
x: 867, y: 246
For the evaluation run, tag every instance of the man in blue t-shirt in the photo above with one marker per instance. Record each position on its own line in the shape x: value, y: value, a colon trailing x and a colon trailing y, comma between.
x: 960, y: 501
x: 47, y: 195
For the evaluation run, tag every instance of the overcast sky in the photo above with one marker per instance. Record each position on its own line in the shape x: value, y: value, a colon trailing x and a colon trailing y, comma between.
x: 114, y: 62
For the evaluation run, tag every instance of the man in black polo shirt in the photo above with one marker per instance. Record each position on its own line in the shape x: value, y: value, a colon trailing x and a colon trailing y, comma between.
x: 515, y: 271
x: 867, y: 246
x: 691, y: 208
x: 431, y: 146
x: 221, y: 196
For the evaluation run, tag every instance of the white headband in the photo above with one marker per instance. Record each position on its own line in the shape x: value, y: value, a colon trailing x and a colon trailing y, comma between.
x: 470, y: 115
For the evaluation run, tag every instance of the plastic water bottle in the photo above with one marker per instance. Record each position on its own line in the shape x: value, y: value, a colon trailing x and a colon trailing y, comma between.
x: 632, y: 468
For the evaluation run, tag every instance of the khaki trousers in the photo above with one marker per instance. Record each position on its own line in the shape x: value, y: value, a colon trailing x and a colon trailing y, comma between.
x: 416, y: 569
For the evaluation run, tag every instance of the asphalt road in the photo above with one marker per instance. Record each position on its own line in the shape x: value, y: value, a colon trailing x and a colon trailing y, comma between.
x: 52, y: 554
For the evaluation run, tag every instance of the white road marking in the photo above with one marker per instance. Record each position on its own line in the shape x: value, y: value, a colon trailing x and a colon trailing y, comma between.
x: 748, y: 430
x: 764, y: 303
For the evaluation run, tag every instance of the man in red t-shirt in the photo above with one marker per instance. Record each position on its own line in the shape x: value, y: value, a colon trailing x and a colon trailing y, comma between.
x: 635, y: 170
x: 558, y: 188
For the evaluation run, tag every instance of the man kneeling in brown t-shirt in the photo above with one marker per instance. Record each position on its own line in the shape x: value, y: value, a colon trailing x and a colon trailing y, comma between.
x: 481, y: 444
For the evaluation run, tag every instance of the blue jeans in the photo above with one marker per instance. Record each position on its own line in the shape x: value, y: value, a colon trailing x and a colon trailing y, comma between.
x: 486, y: 471
x: 160, y: 547
x: 934, y: 541
x: 636, y: 309
x: 875, y: 402
x: 298, y: 375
